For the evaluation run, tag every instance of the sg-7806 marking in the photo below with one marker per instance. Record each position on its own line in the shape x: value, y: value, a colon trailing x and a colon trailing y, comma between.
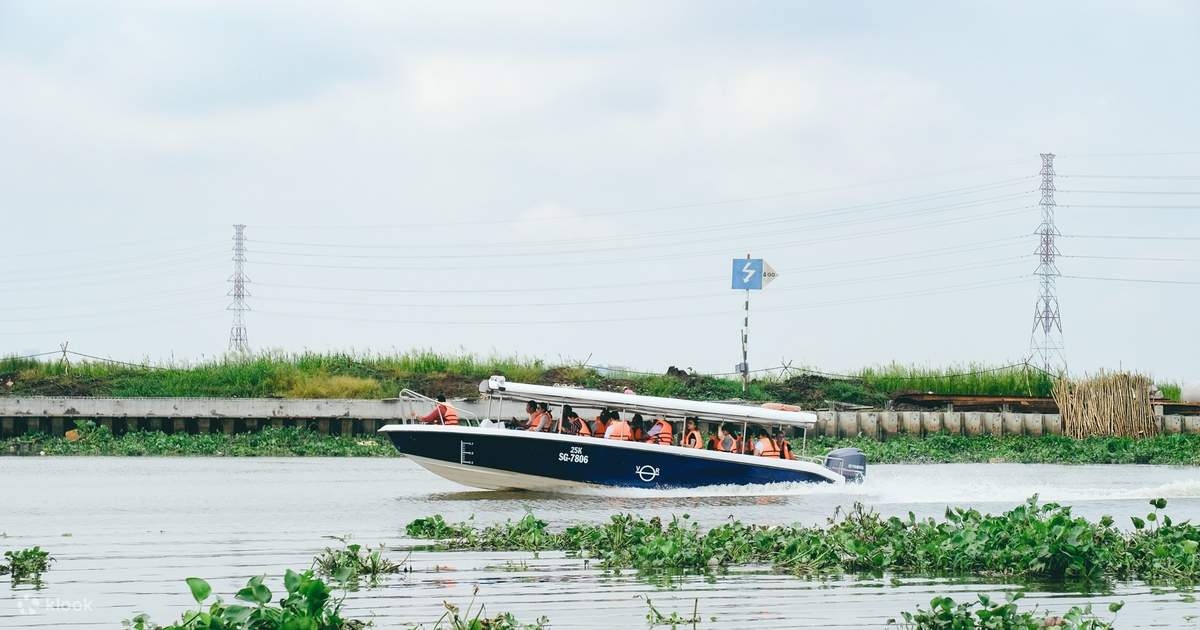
x: 576, y: 456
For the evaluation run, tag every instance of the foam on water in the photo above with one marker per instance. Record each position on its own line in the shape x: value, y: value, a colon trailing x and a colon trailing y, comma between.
x: 944, y: 484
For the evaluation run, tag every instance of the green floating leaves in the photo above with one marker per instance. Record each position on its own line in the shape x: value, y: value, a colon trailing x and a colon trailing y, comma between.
x: 200, y: 589
x: 308, y: 605
x: 26, y: 565
x: 945, y: 613
x: 1034, y: 540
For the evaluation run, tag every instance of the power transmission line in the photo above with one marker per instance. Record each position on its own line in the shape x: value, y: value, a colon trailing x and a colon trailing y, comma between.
x: 1132, y: 192
x: 1132, y: 207
x: 723, y: 229
x: 1181, y: 177
x: 1129, y: 237
x: 1134, y: 258
x: 1135, y: 280
x: 673, y: 316
x: 125, y: 322
x: 1134, y: 154
x: 724, y: 235
x: 933, y: 271
x: 924, y: 253
x: 646, y: 210
x: 641, y: 259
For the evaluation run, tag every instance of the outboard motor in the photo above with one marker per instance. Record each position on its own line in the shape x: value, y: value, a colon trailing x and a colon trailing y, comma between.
x: 848, y: 462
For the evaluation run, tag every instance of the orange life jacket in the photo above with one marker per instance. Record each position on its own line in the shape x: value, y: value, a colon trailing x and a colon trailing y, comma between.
x: 599, y: 427
x: 448, y: 414
x: 664, y: 432
x: 770, y: 449
x: 638, y: 435
x: 619, y: 431
x: 785, y: 449
x: 584, y: 429
x: 737, y: 445
x: 692, y: 439
x: 536, y: 420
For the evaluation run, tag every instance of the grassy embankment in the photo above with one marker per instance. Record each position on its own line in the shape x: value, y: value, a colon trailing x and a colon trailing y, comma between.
x: 339, y: 375
x: 311, y: 375
x: 376, y: 376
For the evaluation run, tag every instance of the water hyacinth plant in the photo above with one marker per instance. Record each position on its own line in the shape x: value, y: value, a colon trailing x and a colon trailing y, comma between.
x: 984, y: 612
x: 26, y: 566
x: 308, y: 605
x: 1033, y: 540
x: 456, y: 618
x: 353, y: 563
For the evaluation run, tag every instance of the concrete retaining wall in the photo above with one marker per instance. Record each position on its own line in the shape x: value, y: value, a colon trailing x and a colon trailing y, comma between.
x: 885, y: 424
x: 54, y: 415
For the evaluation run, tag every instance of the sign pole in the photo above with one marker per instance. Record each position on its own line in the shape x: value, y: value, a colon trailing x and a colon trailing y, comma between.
x: 746, y: 343
x: 749, y: 274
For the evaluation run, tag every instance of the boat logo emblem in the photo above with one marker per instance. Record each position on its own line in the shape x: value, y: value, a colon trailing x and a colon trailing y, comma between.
x: 646, y: 473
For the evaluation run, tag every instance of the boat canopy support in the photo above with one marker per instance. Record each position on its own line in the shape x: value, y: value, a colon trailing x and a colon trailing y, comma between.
x: 497, y: 387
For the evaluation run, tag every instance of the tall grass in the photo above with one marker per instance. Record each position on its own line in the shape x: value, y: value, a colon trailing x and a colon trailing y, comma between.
x: 972, y: 378
x: 301, y: 375
x: 373, y: 375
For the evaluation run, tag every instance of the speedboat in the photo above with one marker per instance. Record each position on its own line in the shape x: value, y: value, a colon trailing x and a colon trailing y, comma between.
x: 487, y: 453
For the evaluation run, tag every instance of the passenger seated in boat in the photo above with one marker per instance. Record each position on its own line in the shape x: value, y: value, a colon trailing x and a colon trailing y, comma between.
x: 573, y: 424
x: 691, y: 434
x: 726, y: 442
x: 660, y: 432
x: 536, y: 416
x: 785, y: 447
x: 442, y: 413
x: 531, y: 412
x: 601, y: 424
x: 564, y: 421
x: 737, y: 441
x: 617, y: 429
x: 764, y: 446
x: 637, y: 428
x: 547, y: 423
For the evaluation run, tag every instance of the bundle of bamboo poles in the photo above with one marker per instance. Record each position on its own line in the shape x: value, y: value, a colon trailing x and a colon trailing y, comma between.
x: 1108, y: 404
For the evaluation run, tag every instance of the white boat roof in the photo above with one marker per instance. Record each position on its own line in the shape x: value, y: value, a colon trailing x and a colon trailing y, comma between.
x: 498, y: 387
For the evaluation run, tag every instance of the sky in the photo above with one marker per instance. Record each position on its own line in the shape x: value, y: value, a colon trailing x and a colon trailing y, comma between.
x: 571, y: 180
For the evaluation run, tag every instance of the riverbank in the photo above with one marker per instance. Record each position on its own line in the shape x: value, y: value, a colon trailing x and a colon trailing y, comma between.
x: 310, y: 375
x: 297, y: 442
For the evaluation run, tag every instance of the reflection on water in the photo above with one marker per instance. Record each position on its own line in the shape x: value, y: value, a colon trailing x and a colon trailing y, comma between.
x: 126, y: 531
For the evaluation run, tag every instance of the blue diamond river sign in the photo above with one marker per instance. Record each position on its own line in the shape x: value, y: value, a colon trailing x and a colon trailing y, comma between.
x: 752, y: 274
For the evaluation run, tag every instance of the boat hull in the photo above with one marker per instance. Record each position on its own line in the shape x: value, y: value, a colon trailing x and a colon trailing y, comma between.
x: 498, y: 459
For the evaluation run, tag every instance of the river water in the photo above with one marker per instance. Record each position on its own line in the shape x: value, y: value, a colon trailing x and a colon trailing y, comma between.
x: 127, y: 531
